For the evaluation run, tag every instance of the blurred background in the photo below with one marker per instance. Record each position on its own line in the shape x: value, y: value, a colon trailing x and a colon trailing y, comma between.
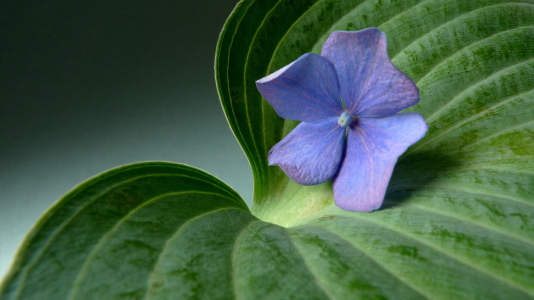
x: 86, y: 86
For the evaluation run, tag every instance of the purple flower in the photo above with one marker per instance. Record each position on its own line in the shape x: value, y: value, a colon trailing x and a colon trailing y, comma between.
x: 349, y: 95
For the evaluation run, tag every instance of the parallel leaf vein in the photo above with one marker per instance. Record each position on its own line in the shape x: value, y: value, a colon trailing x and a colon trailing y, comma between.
x: 105, y: 237
x: 464, y: 15
x: 315, y: 276
x: 463, y: 189
x: 76, y: 213
x: 475, y: 224
x: 445, y: 253
x: 245, y: 93
x: 526, y: 124
x: 480, y: 82
x: 445, y: 132
x: 238, y: 240
x: 176, y: 234
x: 386, y: 269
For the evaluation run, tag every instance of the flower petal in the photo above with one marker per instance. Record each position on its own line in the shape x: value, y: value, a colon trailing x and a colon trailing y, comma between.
x: 305, y: 90
x: 311, y: 153
x: 373, y: 146
x: 371, y: 86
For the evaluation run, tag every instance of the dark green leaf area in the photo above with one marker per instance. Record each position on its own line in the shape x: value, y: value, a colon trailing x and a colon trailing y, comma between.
x: 105, y: 237
x: 142, y: 251
x: 198, y: 260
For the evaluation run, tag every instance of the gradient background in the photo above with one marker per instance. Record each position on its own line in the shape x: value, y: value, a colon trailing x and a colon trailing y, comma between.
x: 86, y: 86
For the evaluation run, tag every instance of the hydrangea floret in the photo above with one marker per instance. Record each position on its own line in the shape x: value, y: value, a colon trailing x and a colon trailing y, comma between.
x: 348, y: 99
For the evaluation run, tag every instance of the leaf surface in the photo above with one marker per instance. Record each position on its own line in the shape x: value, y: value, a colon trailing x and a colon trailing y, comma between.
x: 456, y: 218
x: 117, y: 235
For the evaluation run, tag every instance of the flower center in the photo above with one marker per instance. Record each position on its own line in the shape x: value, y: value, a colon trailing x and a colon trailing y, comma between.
x: 345, y: 119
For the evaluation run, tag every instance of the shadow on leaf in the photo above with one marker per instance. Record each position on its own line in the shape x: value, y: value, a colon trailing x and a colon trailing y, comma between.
x: 416, y: 171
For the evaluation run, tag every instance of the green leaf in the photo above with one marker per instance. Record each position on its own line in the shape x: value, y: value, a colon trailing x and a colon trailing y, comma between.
x: 457, y: 217
x: 122, y: 232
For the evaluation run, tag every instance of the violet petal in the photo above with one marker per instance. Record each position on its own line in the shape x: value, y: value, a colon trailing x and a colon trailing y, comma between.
x: 373, y: 146
x: 305, y: 90
x: 370, y: 85
x: 311, y: 153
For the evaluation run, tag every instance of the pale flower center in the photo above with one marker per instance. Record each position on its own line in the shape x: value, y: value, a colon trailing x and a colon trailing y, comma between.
x: 345, y: 119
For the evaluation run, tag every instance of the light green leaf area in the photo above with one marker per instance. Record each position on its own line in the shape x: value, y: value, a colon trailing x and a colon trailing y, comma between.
x: 457, y: 221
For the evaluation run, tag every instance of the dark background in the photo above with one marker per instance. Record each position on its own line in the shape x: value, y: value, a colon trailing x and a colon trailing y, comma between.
x: 86, y: 86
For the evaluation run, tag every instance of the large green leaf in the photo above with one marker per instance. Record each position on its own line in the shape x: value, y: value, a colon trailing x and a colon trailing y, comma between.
x: 457, y: 218
x: 457, y: 215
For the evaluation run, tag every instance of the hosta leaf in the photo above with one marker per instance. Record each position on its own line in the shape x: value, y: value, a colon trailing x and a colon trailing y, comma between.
x: 120, y: 232
x: 456, y: 220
